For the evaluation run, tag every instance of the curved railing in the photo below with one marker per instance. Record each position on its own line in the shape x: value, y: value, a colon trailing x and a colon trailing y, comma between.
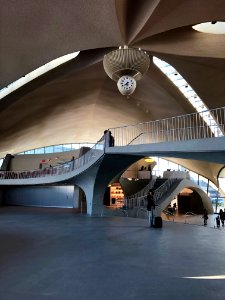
x: 93, y: 154
x: 57, y: 148
x: 179, y: 128
x: 160, y: 191
x: 139, y: 199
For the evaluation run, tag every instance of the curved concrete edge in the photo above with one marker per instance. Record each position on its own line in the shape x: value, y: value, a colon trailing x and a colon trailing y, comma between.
x: 95, y: 181
x: 209, y: 149
x: 177, y: 188
x: 52, y: 179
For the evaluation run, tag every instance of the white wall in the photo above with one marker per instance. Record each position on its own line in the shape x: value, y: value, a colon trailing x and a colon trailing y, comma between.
x: 32, y: 161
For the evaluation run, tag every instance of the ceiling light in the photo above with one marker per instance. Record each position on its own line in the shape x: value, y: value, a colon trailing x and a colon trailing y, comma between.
x: 126, y: 66
x: 213, y: 27
x: 149, y: 160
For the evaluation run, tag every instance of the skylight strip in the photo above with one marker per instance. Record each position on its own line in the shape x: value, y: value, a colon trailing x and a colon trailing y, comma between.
x: 36, y: 73
x: 174, y: 77
x: 189, y: 94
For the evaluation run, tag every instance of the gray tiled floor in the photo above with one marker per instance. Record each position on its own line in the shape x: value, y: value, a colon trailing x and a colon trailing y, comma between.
x: 57, y: 254
x: 195, y: 220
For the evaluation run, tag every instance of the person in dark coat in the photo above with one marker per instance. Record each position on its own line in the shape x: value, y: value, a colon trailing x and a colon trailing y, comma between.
x: 221, y: 213
x: 218, y: 221
x: 111, y: 140
x: 205, y: 216
x: 108, y: 138
x: 150, y: 201
x: 150, y: 207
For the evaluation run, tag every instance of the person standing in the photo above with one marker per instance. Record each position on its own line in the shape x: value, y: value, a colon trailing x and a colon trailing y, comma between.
x: 111, y: 139
x: 106, y: 138
x: 150, y: 207
x: 72, y: 162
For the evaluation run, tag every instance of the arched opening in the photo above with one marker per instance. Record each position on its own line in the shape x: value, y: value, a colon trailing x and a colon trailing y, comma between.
x: 189, y: 200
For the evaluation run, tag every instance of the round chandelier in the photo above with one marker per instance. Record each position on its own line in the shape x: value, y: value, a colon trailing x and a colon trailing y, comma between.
x: 126, y: 66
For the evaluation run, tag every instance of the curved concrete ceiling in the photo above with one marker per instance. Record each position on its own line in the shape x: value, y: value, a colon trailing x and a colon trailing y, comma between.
x: 76, y: 101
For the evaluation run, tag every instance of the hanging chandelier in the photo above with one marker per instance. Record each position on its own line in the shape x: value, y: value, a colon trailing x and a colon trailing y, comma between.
x: 126, y: 66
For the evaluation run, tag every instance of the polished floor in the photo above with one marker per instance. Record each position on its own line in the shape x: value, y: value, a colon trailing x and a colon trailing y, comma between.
x: 59, y: 254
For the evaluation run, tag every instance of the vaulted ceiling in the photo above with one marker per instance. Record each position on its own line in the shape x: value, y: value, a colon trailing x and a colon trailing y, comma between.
x: 76, y: 101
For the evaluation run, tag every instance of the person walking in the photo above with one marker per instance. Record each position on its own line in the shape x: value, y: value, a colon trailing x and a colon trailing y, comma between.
x: 221, y: 213
x: 205, y: 216
x: 218, y: 221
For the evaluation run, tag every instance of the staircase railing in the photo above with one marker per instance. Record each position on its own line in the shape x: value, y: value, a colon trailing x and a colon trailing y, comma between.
x: 158, y: 194
x: 179, y: 128
x: 139, y: 199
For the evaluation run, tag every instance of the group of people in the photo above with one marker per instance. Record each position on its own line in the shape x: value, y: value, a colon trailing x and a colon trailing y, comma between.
x: 145, y: 168
x: 219, y: 219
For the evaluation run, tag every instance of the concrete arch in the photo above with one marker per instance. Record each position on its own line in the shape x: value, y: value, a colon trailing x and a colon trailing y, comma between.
x: 178, y: 187
x: 95, y: 180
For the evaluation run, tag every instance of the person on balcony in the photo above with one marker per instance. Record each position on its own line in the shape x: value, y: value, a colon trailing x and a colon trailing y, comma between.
x: 108, y: 138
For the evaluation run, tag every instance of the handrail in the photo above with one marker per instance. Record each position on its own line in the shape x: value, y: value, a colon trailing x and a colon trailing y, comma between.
x: 139, y: 197
x: 188, y: 214
x: 162, y: 189
x: 141, y: 209
x: 64, y: 148
x: 179, y: 128
x: 95, y: 152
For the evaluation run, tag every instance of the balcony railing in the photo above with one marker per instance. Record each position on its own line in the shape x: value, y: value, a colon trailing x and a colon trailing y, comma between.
x: 94, y: 153
x: 180, y: 128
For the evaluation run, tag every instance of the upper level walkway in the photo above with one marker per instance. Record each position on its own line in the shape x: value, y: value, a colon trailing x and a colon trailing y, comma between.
x: 189, y: 136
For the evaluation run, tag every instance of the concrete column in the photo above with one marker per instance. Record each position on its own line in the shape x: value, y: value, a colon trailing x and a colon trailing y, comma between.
x: 95, y: 179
